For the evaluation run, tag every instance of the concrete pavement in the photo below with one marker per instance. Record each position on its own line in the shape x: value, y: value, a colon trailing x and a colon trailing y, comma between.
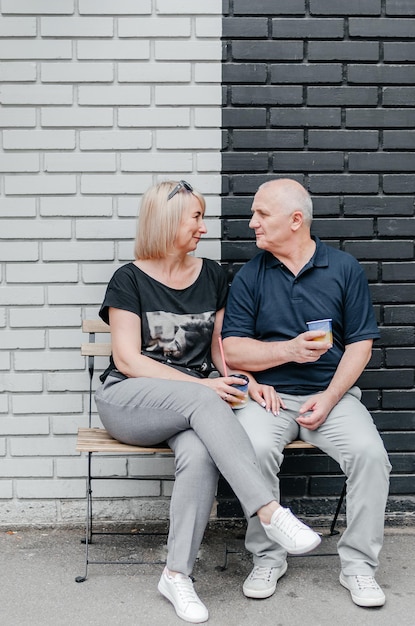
x: 39, y: 566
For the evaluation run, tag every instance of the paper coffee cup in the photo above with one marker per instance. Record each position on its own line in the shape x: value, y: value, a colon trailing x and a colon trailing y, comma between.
x: 322, y: 325
x: 243, y: 386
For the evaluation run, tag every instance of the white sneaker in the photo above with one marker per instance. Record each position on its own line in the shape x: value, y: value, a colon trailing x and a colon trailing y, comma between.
x: 364, y: 590
x: 180, y: 591
x: 262, y: 581
x: 294, y: 536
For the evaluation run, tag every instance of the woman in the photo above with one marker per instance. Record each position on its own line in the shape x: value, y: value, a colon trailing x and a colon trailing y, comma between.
x: 165, y: 311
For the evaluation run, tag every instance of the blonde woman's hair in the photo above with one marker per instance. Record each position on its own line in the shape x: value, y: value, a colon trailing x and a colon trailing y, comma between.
x: 159, y: 219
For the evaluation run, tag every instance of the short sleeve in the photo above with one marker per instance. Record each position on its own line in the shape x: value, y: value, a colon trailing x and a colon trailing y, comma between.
x: 122, y: 293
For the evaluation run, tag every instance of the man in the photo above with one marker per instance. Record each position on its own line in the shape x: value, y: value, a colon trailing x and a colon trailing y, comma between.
x: 306, y: 384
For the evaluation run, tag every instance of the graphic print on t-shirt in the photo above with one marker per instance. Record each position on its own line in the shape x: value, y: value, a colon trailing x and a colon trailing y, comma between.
x: 175, y: 338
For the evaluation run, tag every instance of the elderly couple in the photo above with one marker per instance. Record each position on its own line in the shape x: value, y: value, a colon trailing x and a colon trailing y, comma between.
x: 157, y: 387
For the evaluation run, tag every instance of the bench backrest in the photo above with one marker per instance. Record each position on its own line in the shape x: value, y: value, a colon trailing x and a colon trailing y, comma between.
x: 95, y: 327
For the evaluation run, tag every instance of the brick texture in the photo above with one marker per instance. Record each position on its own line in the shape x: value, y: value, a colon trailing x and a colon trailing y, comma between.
x: 99, y: 100
x: 323, y: 92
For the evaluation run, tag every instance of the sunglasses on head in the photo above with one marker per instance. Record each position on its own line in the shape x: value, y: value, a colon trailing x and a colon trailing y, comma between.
x: 181, y: 185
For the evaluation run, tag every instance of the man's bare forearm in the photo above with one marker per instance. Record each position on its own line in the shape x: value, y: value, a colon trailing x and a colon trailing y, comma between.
x: 254, y: 355
x: 353, y: 362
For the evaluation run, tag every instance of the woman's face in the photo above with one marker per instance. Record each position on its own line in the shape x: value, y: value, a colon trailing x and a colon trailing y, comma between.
x: 191, y: 228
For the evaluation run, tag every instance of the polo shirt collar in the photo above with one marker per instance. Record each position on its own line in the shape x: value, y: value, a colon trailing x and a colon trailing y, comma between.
x: 319, y: 259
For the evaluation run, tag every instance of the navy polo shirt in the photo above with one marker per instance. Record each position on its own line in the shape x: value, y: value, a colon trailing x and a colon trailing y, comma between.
x: 267, y: 302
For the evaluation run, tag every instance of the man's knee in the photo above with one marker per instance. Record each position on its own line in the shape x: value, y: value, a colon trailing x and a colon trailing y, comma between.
x: 265, y: 448
x: 370, y: 458
x: 259, y: 427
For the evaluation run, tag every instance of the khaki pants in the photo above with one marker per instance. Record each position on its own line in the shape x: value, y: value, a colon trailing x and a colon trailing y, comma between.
x: 350, y: 437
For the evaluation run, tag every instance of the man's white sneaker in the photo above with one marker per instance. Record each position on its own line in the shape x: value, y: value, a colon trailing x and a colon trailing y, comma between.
x: 364, y: 590
x: 180, y: 591
x: 262, y: 581
x: 294, y: 536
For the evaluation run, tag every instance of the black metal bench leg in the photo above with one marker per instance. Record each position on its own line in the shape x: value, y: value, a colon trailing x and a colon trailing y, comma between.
x: 88, y: 523
x: 336, y: 515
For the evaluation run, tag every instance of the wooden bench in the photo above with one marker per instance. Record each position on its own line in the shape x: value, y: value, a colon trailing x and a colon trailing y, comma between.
x: 97, y: 441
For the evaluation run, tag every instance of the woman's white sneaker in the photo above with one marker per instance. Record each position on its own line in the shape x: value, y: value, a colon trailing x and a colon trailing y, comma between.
x: 180, y: 591
x: 294, y: 536
x: 364, y: 590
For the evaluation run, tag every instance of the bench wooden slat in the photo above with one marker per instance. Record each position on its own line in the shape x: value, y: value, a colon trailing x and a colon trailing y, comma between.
x: 298, y: 444
x: 98, y: 440
x: 96, y: 349
x: 95, y: 326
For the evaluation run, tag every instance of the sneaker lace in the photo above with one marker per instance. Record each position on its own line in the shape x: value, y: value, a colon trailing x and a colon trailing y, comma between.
x: 261, y: 573
x: 366, y: 582
x: 185, y: 589
x: 288, y: 524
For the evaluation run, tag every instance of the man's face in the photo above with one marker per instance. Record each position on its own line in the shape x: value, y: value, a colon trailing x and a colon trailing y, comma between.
x: 270, y: 221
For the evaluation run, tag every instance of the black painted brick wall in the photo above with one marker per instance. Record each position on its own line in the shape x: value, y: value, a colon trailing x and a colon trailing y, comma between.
x: 323, y: 91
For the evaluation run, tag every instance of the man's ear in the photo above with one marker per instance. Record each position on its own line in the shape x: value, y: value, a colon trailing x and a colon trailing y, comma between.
x: 296, y: 220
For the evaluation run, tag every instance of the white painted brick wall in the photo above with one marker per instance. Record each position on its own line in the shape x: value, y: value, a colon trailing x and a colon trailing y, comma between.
x: 99, y: 99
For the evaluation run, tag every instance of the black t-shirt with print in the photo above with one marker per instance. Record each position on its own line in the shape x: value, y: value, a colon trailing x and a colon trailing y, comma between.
x: 176, y: 324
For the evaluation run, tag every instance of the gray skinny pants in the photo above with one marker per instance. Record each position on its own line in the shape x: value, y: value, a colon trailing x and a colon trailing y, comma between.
x: 350, y: 437
x: 206, y: 439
